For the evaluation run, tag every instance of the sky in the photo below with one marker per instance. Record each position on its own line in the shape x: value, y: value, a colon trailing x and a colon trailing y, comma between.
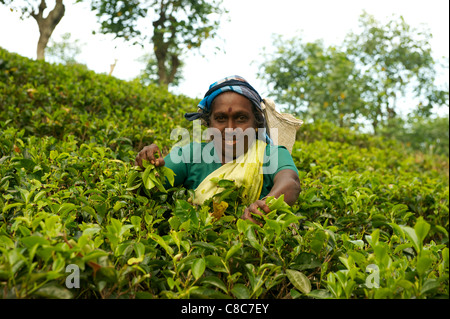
x: 241, y: 39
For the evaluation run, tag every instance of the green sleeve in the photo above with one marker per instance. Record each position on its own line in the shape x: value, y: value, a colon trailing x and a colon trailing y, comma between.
x: 277, y: 158
x: 177, y: 162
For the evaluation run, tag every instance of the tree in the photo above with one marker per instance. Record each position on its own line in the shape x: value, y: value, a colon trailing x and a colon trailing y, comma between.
x: 359, y: 81
x: 64, y: 51
x: 397, y: 61
x: 313, y: 81
x: 149, y: 75
x: 428, y: 135
x: 178, y: 26
x: 46, y: 24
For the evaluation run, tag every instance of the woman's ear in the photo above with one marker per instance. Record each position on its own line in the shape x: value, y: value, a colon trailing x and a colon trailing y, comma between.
x: 206, y: 119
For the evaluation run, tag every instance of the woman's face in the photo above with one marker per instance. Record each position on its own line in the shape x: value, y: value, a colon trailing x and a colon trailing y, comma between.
x: 232, y: 115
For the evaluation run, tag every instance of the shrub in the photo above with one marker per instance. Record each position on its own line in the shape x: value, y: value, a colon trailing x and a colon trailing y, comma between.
x: 371, y: 220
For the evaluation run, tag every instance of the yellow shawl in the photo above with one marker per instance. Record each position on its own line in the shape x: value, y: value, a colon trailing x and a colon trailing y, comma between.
x: 245, y: 171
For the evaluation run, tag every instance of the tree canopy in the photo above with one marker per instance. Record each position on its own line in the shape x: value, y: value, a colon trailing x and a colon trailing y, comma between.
x: 177, y: 26
x: 46, y: 24
x: 359, y: 81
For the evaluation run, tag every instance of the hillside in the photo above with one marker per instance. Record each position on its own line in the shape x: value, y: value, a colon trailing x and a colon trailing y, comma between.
x: 371, y: 220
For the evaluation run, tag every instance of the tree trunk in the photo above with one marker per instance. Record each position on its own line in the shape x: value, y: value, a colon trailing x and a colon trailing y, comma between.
x: 47, y: 25
x: 167, y: 62
x: 161, y: 54
x: 175, y: 64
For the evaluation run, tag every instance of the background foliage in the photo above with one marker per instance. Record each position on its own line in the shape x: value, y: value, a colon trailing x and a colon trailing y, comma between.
x: 70, y: 195
x: 177, y: 27
x: 382, y: 75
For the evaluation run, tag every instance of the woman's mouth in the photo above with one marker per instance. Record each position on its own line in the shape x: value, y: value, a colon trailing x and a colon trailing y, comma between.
x: 230, y: 142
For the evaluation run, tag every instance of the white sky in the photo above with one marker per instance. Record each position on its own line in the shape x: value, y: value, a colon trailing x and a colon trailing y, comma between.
x: 251, y: 25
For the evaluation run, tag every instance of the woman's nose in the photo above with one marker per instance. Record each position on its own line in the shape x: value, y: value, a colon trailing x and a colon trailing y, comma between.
x: 230, y: 123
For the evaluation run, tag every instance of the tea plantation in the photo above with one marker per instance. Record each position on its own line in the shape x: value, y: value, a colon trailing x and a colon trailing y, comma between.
x: 79, y: 221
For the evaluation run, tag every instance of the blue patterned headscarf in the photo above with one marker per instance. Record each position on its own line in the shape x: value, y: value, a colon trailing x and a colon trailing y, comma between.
x: 234, y: 84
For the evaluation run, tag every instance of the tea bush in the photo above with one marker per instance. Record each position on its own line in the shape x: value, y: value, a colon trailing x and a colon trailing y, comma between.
x: 371, y: 220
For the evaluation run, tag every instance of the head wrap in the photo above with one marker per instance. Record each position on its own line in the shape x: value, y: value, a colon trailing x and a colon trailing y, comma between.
x: 234, y: 84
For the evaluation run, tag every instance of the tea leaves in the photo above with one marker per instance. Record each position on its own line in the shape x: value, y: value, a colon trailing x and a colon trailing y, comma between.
x: 371, y: 220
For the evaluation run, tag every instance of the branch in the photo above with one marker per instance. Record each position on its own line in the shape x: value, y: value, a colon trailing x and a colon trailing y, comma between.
x: 40, y: 12
x: 57, y: 13
x: 54, y: 17
x: 174, y: 67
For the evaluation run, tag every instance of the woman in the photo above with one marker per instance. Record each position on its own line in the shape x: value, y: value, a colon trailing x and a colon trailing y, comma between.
x: 231, y: 109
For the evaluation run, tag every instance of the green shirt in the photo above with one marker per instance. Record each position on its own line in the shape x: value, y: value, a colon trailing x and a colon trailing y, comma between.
x: 191, y: 168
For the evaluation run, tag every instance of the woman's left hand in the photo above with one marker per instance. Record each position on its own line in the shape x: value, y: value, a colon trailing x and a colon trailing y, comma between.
x: 254, y: 208
x: 285, y: 182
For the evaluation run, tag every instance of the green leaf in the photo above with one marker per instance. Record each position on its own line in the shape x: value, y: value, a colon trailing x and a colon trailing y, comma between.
x: 250, y: 234
x: 93, y: 255
x: 206, y: 293
x: 94, y: 229
x: 375, y: 236
x: 139, y: 249
x: 134, y: 260
x: 423, y: 264
x: 184, y: 211
x: 429, y: 285
x: 215, y: 263
x: 204, y: 245
x: 143, y: 295
x: 118, y: 205
x: 306, y: 261
x: 34, y: 240
x: 358, y: 243
x: 171, y: 283
x: 169, y: 174
x: 275, y: 225
x: 412, y: 236
x: 225, y: 183
x: 233, y: 250
x: 116, y: 225
x: 133, y: 174
x: 53, y: 292
x: 198, y: 267
x: 58, y: 264
x: 397, y: 229
x: 241, y: 225
x: 381, y: 253
x: 9, y: 206
x: 162, y: 243
x: 277, y: 203
x: 215, y: 281
x: 148, y: 177
x: 158, y: 183
x: 66, y: 208
x: 136, y: 221
x: 240, y: 291
x: 299, y: 280
x: 320, y: 294
x: 421, y: 229
x: 295, y: 293
x: 402, y: 247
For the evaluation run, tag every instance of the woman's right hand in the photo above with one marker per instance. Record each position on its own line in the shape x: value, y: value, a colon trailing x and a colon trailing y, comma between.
x: 148, y: 154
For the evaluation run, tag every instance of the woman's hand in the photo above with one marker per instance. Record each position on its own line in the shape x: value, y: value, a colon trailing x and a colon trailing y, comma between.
x: 148, y: 154
x: 285, y: 182
x: 253, y: 208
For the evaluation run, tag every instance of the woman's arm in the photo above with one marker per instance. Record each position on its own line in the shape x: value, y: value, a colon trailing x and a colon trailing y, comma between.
x: 148, y: 154
x: 285, y: 182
